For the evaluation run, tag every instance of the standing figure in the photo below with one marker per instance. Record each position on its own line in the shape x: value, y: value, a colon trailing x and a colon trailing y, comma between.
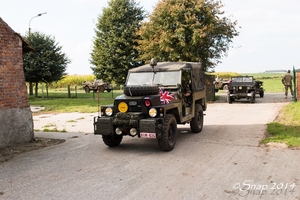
x: 287, y: 82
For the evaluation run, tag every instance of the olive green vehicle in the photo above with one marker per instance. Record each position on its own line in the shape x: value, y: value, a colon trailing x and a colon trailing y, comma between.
x: 154, y: 103
x: 97, y: 85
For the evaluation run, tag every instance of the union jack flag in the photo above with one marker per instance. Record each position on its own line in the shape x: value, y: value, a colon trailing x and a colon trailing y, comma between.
x: 165, y: 96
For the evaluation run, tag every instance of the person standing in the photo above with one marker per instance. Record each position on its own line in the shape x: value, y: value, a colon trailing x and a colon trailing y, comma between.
x: 287, y: 82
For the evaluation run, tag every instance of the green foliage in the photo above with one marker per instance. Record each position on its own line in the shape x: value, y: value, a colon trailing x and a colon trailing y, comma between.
x: 287, y: 128
x: 46, y: 63
x: 187, y: 30
x: 115, y: 47
x: 72, y: 80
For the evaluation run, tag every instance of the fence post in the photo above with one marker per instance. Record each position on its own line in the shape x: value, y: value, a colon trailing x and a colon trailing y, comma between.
x: 69, y: 91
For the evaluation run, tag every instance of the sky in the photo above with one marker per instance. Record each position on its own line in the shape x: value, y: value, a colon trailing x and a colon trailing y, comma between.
x: 269, y: 36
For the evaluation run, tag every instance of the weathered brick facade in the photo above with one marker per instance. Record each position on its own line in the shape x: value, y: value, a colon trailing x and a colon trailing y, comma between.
x: 16, y: 124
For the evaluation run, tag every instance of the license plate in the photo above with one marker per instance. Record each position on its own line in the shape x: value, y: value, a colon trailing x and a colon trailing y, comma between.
x: 148, y: 135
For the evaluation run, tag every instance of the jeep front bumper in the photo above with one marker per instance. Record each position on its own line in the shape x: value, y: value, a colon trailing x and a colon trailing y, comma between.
x: 145, y: 127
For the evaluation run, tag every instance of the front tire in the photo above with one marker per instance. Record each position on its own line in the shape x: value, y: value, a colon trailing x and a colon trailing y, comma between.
x: 169, y: 133
x: 225, y: 87
x: 112, y: 140
x: 197, y: 121
x: 229, y: 99
x: 86, y: 89
x: 252, y: 97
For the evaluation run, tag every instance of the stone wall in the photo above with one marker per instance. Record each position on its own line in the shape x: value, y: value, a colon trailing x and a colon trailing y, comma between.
x: 16, y: 123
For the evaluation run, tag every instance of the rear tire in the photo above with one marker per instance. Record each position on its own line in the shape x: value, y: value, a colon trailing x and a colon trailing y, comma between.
x: 197, y: 121
x: 112, y: 140
x: 169, y: 133
x: 261, y: 93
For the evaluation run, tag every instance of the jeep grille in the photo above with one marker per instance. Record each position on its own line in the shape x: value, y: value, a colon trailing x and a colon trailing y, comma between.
x: 133, y: 106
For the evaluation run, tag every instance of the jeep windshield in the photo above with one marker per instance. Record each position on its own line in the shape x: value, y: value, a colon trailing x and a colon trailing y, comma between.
x: 242, y: 79
x: 157, y: 78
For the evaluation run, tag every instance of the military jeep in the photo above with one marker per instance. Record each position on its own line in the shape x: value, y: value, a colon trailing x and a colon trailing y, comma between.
x: 242, y: 87
x: 153, y: 103
x: 97, y: 85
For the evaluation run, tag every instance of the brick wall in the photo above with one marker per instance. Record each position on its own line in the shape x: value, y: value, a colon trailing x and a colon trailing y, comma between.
x: 16, y: 124
x: 12, y: 80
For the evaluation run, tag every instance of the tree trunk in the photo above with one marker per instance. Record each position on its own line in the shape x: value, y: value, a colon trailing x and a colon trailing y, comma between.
x: 30, y: 88
x: 36, y: 89
x: 47, y: 89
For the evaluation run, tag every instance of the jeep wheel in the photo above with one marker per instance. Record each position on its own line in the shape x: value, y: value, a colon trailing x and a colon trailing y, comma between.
x: 229, y: 99
x: 141, y: 90
x: 168, y: 135
x: 252, y: 97
x: 197, y: 121
x: 112, y: 140
x: 261, y: 93
x: 108, y: 90
x: 101, y: 88
x: 86, y: 89
x: 225, y: 87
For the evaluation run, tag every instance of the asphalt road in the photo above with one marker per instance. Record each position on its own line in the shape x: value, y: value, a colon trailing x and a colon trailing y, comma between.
x: 224, y: 161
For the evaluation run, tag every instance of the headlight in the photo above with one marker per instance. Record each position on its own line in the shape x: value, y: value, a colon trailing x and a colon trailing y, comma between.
x: 133, y: 131
x: 108, y: 111
x: 152, y: 112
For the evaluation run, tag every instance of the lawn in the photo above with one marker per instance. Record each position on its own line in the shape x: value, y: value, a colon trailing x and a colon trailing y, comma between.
x: 58, y: 101
x: 287, y: 128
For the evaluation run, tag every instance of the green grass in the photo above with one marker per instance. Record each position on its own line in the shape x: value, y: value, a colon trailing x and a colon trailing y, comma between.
x: 85, y: 102
x: 287, y: 128
x: 273, y: 85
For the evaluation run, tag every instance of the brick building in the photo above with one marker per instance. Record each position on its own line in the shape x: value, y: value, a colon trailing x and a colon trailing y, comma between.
x: 16, y: 123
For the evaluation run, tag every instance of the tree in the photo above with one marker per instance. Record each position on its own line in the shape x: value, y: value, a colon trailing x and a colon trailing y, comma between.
x: 46, y: 63
x: 187, y: 30
x: 115, y: 44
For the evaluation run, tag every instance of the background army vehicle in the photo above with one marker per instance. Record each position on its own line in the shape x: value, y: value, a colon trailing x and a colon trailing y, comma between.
x: 95, y: 86
x: 221, y: 84
x: 154, y: 103
x: 244, y: 87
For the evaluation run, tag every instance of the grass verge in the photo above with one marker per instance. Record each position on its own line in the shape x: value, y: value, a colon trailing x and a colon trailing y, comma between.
x: 287, y: 128
x: 64, y: 104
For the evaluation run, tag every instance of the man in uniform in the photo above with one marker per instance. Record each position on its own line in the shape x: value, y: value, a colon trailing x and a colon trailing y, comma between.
x: 287, y: 82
